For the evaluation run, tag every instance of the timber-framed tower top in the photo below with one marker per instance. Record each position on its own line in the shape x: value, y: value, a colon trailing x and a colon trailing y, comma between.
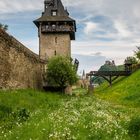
x: 55, y: 18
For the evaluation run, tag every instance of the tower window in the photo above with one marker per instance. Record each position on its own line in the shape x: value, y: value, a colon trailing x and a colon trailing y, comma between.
x: 54, y: 52
x: 54, y: 13
x: 56, y: 40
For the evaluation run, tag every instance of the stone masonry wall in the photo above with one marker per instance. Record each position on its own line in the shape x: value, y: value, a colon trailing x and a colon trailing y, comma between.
x: 54, y: 44
x: 20, y: 68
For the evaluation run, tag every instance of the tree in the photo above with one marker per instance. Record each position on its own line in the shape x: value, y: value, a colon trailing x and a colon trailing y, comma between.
x: 61, y: 72
x: 131, y: 60
x: 3, y: 27
x: 137, y: 53
x: 108, y: 66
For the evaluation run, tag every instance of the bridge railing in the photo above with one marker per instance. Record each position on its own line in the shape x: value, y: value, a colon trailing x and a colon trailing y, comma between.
x: 109, y: 73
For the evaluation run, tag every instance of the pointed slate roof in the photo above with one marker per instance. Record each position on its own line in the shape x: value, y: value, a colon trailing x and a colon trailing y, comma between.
x: 54, y: 5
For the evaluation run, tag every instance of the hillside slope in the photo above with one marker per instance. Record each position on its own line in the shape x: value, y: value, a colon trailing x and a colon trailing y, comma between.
x: 126, y: 90
x: 35, y: 115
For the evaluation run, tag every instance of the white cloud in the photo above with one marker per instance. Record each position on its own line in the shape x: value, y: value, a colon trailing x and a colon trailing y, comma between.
x: 122, y: 29
x: 90, y: 27
x: 14, y: 6
x: 111, y: 50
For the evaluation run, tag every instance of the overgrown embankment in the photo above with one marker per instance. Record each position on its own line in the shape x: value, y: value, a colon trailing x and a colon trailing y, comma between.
x: 125, y: 90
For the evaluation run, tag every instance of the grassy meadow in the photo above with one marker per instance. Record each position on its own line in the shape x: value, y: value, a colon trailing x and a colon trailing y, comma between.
x: 111, y: 113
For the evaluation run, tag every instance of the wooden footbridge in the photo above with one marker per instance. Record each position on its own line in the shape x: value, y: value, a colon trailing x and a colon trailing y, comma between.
x: 111, y: 76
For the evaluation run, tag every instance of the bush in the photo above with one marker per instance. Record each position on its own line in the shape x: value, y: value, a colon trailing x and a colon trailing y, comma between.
x: 131, y: 60
x: 137, y: 53
x: 23, y: 115
x: 134, y: 127
x: 61, y: 72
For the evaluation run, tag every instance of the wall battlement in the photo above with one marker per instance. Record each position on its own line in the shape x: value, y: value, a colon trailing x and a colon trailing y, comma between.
x: 19, y: 67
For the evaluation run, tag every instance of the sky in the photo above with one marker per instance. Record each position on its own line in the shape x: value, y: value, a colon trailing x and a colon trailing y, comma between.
x: 106, y: 29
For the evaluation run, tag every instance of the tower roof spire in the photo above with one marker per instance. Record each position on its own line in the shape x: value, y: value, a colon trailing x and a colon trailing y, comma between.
x: 54, y: 11
x: 54, y: 5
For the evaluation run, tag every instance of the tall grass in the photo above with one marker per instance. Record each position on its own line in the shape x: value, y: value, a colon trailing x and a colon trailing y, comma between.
x: 125, y: 90
x: 35, y: 115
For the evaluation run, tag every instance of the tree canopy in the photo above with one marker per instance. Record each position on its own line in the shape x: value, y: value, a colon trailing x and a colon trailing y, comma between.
x: 137, y: 53
x: 108, y: 67
x: 61, y: 72
x: 131, y: 59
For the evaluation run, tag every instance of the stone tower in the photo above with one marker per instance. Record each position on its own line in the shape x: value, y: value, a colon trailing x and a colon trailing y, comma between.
x: 55, y: 30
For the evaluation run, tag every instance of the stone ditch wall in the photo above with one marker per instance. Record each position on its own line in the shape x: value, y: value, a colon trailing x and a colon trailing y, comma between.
x: 20, y: 68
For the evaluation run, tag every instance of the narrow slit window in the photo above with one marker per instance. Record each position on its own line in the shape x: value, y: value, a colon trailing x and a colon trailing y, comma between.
x: 56, y: 40
x: 54, y: 52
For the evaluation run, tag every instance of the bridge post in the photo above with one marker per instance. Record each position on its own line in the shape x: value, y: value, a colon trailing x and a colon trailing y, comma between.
x: 110, y: 80
x: 90, y: 87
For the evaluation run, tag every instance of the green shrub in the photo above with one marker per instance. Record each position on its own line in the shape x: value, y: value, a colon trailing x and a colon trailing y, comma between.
x: 61, y: 72
x: 23, y: 115
x: 134, y: 127
x: 131, y: 60
x: 137, y: 53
